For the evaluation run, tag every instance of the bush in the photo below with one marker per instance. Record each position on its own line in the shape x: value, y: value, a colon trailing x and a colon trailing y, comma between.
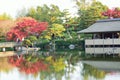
x: 63, y: 45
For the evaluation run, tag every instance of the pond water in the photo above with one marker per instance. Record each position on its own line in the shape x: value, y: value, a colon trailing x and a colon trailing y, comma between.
x: 38, y: 67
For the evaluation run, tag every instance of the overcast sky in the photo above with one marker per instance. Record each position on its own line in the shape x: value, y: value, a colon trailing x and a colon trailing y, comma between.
x: 11, y: 7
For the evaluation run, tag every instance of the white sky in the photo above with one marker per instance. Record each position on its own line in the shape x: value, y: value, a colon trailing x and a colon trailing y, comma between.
x: 11, y: 7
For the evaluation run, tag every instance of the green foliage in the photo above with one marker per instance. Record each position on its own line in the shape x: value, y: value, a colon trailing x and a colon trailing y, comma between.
x: 91, y: 71
x: 32, y: 38
x: 50, y: 14
x: 71, y: 32
x: 53, y: 16
x: 54, y: 31
x: 63, y: 45
x: 90, y: 14
x: 2, y: 39
x: 27, y: 42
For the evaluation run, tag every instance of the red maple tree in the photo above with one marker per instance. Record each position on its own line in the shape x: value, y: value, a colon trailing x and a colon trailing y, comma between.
x: 26, y: 26
x: 112, y: 13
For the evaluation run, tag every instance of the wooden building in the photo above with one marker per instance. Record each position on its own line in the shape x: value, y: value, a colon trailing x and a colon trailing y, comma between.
x: 105, y: 37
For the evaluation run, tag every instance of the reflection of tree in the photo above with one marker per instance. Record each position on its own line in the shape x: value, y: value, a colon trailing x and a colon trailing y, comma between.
x: 4, y: 65
x: 69, y: 70
x: 28, y: 64
x: 51, y: 74
x: 71, y: 60
x: 47, y: 67
x: 91, y: 71
x: 56, y: 68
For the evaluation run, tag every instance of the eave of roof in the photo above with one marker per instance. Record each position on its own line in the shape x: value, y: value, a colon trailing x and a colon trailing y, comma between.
x: 106, y: 25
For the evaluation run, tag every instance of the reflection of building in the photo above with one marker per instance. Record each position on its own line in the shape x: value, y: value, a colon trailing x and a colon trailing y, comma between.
x: 107, y: 66
x: 105, y: 37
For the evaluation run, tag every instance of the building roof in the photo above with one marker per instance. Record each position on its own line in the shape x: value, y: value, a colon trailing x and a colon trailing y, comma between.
x: 106, y: 25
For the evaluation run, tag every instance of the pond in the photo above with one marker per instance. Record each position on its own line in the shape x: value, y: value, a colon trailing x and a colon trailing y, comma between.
x: 57, y: 67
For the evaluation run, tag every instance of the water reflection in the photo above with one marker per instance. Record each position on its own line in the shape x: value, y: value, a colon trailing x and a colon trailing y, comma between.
x: 38, y: 67
x: 5, y: 66
x: 102, y: 70
x: 92, y: 73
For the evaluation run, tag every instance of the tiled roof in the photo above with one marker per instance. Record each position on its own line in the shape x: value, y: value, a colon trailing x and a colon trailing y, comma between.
x: 106, y: 25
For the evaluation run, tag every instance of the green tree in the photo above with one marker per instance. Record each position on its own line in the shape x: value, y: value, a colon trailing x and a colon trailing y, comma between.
x: 54, y: 31
x: 90, y: 14
x: 53, y: 16
x: 50, y: 14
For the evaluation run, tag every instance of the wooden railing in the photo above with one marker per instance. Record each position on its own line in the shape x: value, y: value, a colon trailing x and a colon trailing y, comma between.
x: 102, y: 41
x: 100, y: 46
